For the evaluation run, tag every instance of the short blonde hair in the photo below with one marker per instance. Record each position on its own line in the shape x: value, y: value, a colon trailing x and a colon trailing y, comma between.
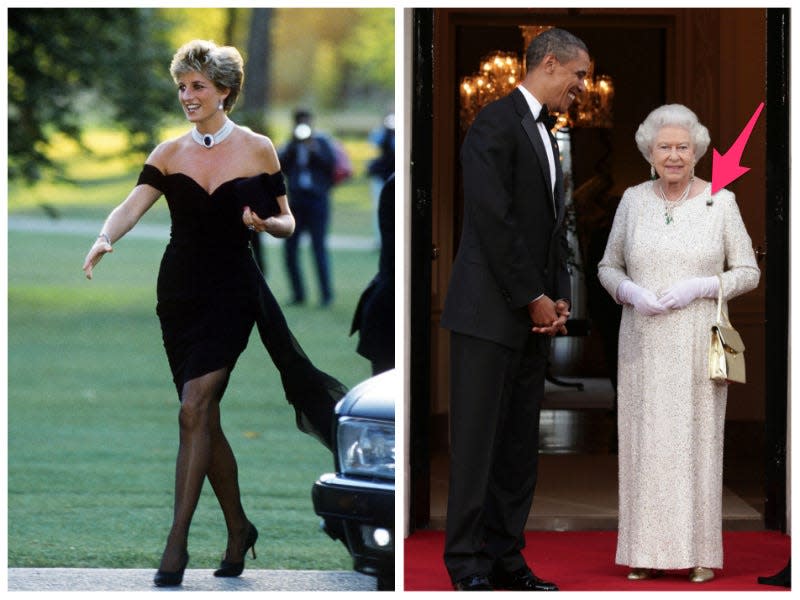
x: 672, y: 115
x: 223, y: 65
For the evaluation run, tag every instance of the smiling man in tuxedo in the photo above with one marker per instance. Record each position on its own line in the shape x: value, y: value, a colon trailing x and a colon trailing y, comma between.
x: 509, y: 294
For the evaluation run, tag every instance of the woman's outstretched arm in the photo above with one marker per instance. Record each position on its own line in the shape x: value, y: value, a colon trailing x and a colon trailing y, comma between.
x: 119, y: 222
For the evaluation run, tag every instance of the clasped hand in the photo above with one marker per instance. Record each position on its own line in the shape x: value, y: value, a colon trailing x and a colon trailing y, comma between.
x: 677, y: 296
x: 548, y: 317
x: 687, y: 291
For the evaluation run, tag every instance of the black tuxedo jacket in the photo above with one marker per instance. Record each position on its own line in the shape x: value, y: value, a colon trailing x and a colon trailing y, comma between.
x: 513, y: 245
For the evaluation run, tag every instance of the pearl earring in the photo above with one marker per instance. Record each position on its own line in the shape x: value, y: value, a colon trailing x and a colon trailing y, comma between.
x: 220, y: 107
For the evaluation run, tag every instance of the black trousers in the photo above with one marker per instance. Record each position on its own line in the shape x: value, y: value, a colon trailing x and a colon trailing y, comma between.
x: 496, y: 395
x: 311, y: 214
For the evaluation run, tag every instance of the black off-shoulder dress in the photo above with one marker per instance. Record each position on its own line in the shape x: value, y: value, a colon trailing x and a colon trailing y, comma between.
x: 210, y: 293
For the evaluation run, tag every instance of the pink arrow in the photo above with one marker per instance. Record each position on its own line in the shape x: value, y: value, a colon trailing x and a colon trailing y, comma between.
x: 725, y: 168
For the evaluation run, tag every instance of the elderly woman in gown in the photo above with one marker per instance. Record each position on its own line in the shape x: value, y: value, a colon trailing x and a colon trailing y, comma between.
x: 671, y: 246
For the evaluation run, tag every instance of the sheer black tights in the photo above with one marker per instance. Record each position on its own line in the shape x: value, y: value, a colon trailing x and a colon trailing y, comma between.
x: 204, y: 451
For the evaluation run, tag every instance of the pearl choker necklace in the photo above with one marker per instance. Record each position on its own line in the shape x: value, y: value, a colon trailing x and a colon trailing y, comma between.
x: 207, y: 140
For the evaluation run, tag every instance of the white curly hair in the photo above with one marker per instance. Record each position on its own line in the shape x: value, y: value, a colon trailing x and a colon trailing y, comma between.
x: 672, y: 115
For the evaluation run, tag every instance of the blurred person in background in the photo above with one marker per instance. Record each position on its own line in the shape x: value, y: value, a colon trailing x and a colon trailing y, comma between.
x: 381, y: 167
x: 308, y: 160
x: 374, y: 315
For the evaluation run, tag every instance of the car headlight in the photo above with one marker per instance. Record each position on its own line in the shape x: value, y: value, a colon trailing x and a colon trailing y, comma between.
x: 366, y: 447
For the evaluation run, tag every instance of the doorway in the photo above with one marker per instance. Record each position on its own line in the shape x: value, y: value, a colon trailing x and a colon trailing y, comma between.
x: 707, y: 59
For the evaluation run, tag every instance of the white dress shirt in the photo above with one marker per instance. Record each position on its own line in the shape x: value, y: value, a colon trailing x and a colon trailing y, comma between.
x: 536, y: 108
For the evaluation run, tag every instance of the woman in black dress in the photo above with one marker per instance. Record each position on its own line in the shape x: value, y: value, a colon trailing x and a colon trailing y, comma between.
x: 210, y: 291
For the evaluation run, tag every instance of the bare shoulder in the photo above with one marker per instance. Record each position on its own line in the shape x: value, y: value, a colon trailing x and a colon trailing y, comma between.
x: 256, y: 141
x: 262, y: 149
x: 164, y: 153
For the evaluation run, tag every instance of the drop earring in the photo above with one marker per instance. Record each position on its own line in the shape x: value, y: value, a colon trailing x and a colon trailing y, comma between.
x: 220, y: 107
x: 652, y: 172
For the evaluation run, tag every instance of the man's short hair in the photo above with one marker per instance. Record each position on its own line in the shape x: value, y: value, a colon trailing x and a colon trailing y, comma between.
x: 302, y: 115
x: 558, y: 42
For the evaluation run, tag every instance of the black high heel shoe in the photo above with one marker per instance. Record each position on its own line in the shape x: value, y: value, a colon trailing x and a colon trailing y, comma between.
x: 234, y: 569
x: 171, y: 578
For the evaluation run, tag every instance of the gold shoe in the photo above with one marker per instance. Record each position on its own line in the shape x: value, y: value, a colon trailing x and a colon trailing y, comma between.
x: 639, y: 574
x: 701, y: 575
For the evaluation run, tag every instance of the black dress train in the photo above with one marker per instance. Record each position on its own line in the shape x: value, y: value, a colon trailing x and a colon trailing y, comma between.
x: 210, y: 294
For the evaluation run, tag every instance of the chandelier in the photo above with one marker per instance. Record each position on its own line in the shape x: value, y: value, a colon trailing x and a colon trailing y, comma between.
x: 498, y: 75
x: 501, y: 72
x: 593, y: 107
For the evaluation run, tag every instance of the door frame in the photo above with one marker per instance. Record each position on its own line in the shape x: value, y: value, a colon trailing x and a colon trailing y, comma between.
x: 777, y: 267
x: 421, y: 248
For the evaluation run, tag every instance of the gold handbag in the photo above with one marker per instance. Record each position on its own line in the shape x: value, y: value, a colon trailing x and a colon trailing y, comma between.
x: 726, y: 352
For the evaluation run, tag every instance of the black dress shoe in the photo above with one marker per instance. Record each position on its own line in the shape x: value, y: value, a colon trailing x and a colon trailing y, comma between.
x: 522, y: 580
x: 782, y: 578
x: 473, y: 583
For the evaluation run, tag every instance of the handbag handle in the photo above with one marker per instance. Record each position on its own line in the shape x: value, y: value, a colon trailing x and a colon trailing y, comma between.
x: 720, y: 312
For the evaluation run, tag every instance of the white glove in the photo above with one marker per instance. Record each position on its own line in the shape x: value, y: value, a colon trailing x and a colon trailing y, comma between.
x: 681, y: 294
x: 643, y: 301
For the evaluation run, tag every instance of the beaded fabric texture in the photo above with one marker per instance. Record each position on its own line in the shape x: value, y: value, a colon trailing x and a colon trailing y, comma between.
x: 671, y: 416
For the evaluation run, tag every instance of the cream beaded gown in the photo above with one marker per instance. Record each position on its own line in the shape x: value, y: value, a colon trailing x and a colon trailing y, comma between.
x: 671, y: 417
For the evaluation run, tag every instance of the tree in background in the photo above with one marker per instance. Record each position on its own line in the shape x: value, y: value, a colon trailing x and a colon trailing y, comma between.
x: 333, y: 57
x: 370, y: 50
x: 66, y: 65
x: 69, y: 68
x: 321, y: 57
x: 257, y: 71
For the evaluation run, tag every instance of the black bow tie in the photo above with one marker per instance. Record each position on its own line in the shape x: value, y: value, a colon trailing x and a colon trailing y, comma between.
x: 546, y: 118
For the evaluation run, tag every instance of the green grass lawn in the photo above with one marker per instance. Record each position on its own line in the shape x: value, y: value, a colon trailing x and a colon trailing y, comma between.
x: 92, y: 412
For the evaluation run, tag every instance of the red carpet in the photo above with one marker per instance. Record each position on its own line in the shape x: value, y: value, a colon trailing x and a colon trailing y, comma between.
x: 584, y: 561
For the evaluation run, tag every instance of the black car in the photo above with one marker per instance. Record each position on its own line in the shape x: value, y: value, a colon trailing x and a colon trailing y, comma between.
x: 357, y: 502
